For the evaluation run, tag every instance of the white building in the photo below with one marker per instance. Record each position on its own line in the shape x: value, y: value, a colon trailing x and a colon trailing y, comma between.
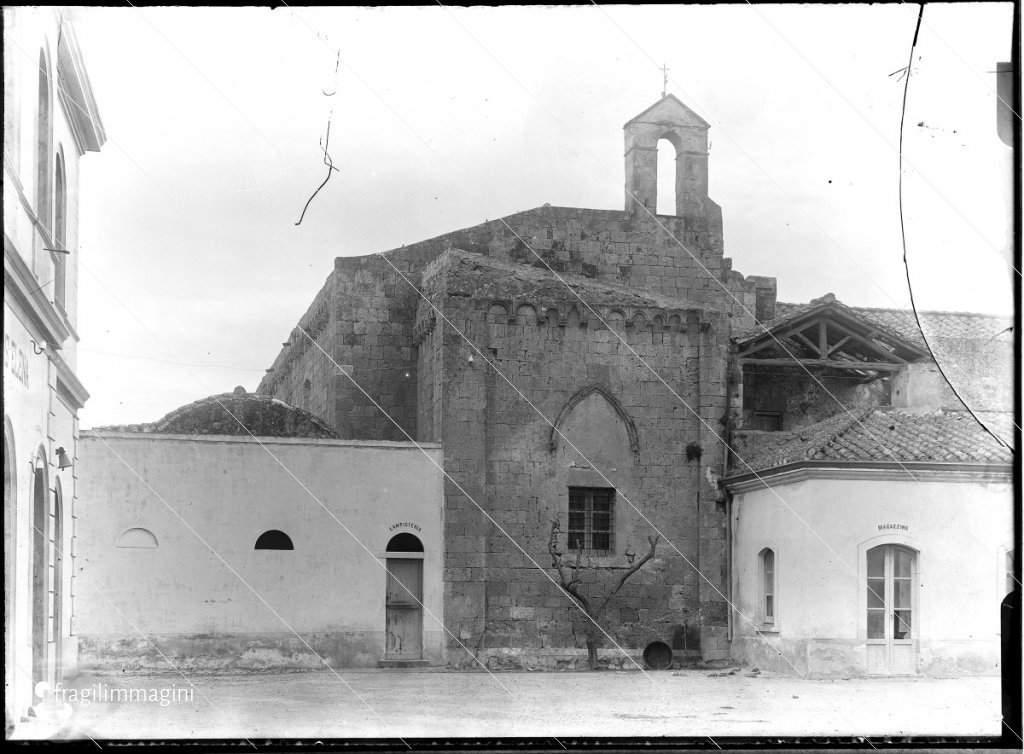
x: 211, y: 548
x: 50, y: 122
x: 877, y: 542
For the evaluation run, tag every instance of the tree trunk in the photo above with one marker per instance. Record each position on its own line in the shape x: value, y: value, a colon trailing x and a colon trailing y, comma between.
x: 592, y: 648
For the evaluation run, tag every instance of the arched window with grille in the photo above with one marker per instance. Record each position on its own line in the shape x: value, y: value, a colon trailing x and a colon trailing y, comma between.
x: 767, y: 587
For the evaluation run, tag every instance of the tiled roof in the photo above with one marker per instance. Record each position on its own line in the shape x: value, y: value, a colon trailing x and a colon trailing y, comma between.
x: 883, y: 435
x: 235, y: 413
x: 936, y: 324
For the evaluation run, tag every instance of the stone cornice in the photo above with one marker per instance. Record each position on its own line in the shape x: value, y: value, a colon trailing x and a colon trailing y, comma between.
x: 800, y: 471
x: 76, y: 97
x: 24, y: 291
x: 423, y: 328
x: 103, y: 434
x: 69, y: 387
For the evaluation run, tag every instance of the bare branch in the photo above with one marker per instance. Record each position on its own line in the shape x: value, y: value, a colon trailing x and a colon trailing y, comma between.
x: 625, y: 577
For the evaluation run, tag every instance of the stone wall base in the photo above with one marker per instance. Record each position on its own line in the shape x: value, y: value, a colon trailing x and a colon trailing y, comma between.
x: 265, y: 651
x: 568, y: 658
x: 847, y: 658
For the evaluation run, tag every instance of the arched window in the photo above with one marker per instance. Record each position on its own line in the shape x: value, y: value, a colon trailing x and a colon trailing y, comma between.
x: 405, y: 542
x: 44, y: 128
x: 274, y: 540
x: 60, y: 229
x: 137, y: 539
x: 526, y: 314
x: 767, y: 586
x: 666, y: 196
x: 497, y: 314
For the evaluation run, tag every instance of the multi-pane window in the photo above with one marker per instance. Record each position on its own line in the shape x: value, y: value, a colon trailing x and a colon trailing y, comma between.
x: 889, y: 592
x: 591, y: 519
x: 768, y: 585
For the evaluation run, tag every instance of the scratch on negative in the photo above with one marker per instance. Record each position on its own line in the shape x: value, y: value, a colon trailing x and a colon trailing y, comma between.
x: 327, y: 141
x: 906, y: 264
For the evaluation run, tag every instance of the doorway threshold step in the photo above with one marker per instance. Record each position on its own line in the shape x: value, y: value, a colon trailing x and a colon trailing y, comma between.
x: 403, y: 663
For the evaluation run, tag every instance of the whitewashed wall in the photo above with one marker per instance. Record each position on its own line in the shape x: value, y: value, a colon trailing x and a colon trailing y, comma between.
x: 204, y: 596
x: 821, y: 529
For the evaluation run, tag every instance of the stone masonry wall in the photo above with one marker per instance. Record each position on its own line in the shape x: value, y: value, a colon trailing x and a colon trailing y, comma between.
x: 301, y: 374
x: 803, y: 399
x: 372, y: 305
x: 415, y: 370
x: 982, y: 369
x: 499, y: 453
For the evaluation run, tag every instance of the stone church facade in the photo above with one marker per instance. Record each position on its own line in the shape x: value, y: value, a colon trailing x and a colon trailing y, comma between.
x: 603, y: 372
x: 573, y: 364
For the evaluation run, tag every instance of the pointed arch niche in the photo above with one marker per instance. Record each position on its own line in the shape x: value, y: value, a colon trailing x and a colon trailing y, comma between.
x: 594, y: 447
x: 595, y: 412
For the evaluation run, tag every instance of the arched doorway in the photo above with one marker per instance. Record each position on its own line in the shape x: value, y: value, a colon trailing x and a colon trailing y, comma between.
x: 40, y: 572
x: 10, y: 491
x: 404, y: 598
x: 56, y: 554
x: 891, y: 610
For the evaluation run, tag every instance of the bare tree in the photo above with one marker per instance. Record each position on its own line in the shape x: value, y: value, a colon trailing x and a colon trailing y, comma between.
x: 569, y: 576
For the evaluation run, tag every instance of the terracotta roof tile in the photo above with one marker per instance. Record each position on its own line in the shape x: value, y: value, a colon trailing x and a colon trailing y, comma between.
x: 936, y: 324
x: 884, y: 435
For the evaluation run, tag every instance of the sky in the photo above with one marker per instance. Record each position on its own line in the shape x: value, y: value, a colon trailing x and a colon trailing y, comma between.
x: 193, y: 269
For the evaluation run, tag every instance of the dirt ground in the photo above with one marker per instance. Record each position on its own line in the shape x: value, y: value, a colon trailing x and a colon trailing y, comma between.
x: 415, y: 704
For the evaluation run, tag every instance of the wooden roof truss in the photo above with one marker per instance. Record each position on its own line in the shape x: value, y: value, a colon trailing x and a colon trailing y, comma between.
x: 823, y: 340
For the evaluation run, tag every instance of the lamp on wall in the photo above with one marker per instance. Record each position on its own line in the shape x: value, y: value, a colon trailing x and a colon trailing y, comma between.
x: 630, y: 555
x: 63, y: 462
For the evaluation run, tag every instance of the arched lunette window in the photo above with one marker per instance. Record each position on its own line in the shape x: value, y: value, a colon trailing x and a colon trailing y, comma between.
x: 137, y: 539
x: 405, y: 542
x: 274, y: 540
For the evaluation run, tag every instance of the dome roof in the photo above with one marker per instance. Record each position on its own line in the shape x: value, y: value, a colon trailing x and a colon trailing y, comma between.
x: 237, y: 413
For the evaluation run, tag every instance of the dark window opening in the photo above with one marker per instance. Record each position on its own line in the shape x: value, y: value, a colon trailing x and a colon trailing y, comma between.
x: 405, y: 542
x: 590, y: 519
x: 274, y: 540
x: 768, y: 421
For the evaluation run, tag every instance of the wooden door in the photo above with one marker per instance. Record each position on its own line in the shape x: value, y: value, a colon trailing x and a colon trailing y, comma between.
x: 404, y: 632
x: 891, y: 611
